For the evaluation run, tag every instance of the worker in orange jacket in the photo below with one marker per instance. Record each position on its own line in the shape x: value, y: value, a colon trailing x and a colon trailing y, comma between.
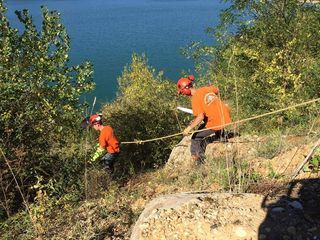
x: 108, y: 147
x: 208, y: 108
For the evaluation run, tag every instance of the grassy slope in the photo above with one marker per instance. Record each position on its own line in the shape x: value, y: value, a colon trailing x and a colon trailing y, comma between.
x: 113, y: 206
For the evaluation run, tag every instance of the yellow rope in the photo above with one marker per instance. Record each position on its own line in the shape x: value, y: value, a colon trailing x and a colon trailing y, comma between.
x: 225, y: 125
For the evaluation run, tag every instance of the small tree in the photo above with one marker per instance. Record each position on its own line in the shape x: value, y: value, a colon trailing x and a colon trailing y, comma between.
x: 144, y: 109
x: 39, y: 101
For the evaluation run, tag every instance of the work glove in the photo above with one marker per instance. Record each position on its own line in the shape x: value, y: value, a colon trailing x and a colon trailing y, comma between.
x: 97, y: 154
x: 186, y: 131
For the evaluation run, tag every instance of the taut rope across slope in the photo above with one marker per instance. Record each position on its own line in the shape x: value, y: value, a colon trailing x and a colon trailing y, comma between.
x: 233, y: 123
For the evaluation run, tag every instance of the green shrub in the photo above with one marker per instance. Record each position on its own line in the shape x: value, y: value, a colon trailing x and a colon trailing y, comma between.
x: 266, y: 57
x: 145, y: 108
x: 314, y: 163
x: 39, y: 108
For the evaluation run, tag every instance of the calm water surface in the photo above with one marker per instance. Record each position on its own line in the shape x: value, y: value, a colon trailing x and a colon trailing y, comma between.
x: 107, y: 32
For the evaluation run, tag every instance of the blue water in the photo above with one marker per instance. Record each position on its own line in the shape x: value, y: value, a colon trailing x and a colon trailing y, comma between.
x: 107, y: 32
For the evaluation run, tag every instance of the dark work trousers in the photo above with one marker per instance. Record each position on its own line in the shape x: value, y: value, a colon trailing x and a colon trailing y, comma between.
x: 200, y: 140
x: 108, y: 161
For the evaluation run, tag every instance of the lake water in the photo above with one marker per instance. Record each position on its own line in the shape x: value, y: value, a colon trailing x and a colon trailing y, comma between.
x: 107, y: 32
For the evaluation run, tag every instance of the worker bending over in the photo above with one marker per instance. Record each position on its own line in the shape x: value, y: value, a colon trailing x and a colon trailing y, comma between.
x: 207, y: 107
x: 108, y: 147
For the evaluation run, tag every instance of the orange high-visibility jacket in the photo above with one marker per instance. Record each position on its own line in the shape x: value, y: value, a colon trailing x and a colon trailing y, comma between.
x: 108, y: 140
x: 206, y: 101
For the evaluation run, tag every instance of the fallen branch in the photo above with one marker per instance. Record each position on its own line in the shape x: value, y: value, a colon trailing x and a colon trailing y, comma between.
x: 307, y: 158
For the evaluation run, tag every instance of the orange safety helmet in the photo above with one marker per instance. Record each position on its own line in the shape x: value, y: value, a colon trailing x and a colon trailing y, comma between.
x: 95, y: 118
x: 184, y: 85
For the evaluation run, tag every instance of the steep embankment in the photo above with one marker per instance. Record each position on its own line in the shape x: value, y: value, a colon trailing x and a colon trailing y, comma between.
x: 280, y: 211
x: 184, y: 201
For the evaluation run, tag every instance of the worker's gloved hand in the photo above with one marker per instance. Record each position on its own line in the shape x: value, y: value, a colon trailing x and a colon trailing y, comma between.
x: 97, y: 154
x: 186, y: 131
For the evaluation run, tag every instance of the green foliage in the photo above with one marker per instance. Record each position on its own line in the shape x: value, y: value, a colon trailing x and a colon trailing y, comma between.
x: 39, y: 108
x: 98, y: 180
x: 218, y: 173
x: 144, y: 109
x: 17, y: 226
x: 271, y: 146
x: 314, y: 164
x: 271, y: 172
x: 268, y: 57
x: 232, y: 175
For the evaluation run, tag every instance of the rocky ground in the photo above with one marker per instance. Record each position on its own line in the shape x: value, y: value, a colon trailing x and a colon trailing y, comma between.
x: 272, y: 210
x: 293, y: 212
x: 285, y: 213
x: 200, y: 216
